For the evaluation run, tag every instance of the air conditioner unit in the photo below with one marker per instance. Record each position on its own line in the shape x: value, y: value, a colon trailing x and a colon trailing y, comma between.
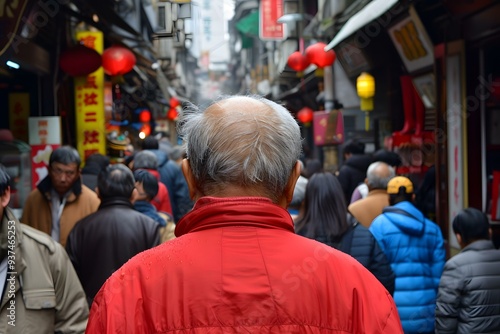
x: 165, y: 22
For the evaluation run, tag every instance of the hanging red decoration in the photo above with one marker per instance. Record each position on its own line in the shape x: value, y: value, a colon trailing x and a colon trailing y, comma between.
x: 118, y: 60
x: 172, y: 114
x: 305, y: 115
x: 317, y: 55
x: 145, y: 116
x: 80, y: 60
x: 174, y: 102
x: 298, y: 62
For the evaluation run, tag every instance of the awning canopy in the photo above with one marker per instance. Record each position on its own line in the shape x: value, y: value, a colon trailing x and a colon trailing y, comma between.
x: 370, y: 12
x: 249, y: 25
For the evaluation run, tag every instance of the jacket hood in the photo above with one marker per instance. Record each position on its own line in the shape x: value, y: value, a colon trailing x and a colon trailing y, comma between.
x: 161, y: 156
x: 213, y: 212
x: 359, y: 161
x: 409, y: 220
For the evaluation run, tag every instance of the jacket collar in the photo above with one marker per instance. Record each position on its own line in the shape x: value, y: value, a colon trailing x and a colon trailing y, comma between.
x: 46, y: 185
x: 215, y: 212
x: 479, y: 245
x: 114, y: 201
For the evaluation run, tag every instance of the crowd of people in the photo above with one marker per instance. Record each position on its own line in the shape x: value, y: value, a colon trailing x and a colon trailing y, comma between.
x: 264, y: 243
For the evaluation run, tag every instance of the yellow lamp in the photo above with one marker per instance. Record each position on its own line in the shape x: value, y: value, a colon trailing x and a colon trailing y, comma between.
x: 365, y: 85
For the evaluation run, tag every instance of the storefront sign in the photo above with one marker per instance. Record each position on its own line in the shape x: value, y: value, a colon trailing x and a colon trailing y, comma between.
x: 89, y: 103
x: 44, y: 138
x: 456, y: 139
x: 19, y: 111
x: 270, y: 12
x: 412, y: 42
x: 328, y: 127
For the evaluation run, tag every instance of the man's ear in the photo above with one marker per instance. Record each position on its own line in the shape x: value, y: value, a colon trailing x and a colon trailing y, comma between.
x: 191, y: 181
x: 290, y: 187
x: 5, y: 198
x: 134, y: 196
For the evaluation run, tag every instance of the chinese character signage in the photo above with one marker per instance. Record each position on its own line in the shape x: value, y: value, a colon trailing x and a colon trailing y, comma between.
x: 89, y: 103
x: 44, y: 137
x: 328, y: 127
x: 270, y: 12
x: 412, y: 42
x: 19, y: 111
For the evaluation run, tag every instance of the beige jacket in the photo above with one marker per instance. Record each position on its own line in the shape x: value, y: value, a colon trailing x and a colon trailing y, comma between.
x: 37, y: 211
x: 367, y: 209
x: 42, y: 293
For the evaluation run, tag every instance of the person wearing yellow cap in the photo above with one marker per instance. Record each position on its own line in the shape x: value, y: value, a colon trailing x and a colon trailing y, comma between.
x: 414, y: 246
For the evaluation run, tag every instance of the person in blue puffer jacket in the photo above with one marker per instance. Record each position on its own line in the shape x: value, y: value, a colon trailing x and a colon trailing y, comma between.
x: 414, y: 246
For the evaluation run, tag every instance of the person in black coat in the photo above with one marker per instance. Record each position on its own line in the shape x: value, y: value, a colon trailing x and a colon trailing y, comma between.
x: 326, y: 220
x: 93, y: 165
x: 353, y: 171
x: 102, y: 242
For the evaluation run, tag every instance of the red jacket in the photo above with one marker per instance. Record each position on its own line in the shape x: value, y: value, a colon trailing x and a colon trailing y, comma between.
x: 238, y: 267
x: 162, y: 199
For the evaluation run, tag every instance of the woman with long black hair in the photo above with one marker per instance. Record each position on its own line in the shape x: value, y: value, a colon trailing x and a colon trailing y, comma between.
x: 326, y: 220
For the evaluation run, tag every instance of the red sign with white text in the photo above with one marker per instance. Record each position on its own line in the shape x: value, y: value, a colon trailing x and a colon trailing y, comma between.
x: 270, y: 12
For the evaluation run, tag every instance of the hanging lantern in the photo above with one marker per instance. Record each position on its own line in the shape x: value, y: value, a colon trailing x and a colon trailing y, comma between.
x: 305, y: 116
x: 80, y: 60
x: 317, y: 55
x: 145, y: 116
x: 298, y: 62
x: 118, y: 60
x: 174, y: 102
x: 172, y: 114
x: 365, y: 86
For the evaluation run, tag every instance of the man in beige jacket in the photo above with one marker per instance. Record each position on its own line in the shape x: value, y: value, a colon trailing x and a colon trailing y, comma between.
x: 365, y: 210
x: 41, y: 291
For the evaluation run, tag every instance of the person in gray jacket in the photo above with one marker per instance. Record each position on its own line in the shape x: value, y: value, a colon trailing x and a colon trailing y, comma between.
x: 468, y: 299
x: 40, y: 291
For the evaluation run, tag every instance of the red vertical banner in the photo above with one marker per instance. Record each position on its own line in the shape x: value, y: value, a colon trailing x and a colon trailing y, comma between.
x: 269, y: 28
x: 495, y: 196
x: 44, y: 138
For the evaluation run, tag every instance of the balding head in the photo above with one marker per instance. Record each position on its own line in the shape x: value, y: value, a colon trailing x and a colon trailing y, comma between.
x: 378, y: 175
x: 244, y: 141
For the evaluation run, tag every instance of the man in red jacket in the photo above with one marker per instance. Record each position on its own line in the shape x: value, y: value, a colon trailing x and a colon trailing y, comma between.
x: 236, y: 264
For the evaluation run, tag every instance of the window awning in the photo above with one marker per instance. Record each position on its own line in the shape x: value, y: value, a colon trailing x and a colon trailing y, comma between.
x: 249, y: 25
x: 370, y: 12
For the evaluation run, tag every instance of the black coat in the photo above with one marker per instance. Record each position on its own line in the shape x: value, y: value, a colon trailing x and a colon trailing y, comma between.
x: 102, y: 242
x: 352, y: 173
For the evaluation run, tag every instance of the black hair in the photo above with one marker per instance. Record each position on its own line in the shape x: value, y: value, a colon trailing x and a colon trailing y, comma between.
x: 472, y: 225
x: 401, y: 196
x: 149, y: 182
x: 312, y: 167
x: 65, y: 155
x: 389, y: 157
x: 95, y: 163
x: 150, y: 143
x: 353, y: 146
x: 4, y: 180
x: 325, y: 212
x: 115, y: 181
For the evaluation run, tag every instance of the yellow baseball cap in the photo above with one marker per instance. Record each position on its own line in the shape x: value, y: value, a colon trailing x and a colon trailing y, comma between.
x: 399, y: 181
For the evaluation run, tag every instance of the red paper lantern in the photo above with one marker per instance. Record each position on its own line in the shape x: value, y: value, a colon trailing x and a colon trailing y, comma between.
x: 80, y: 60
x: 298, y: 62
x: 118, y: 60
x: 145, y: 116
x: 174, y: 103
x: 317, y: 55
x: 172, y: 114
x: 305, y: 115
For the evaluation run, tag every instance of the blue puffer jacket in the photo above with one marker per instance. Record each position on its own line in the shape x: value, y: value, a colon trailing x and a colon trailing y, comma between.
x: 415, y: 248
x: 171, y: 175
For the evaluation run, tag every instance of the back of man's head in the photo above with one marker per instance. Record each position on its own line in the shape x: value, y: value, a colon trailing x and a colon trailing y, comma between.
x: 378, y: 175
x: 400, y: 189
x: 245, y: 141
x: 389, y: 157
x: 98, y: 160
x: 148, y: 181
x: 115, y: 181
x: 65, y: 155
x: 145, y: 160
x: 353, y: 146
x: 472, y: 225
x: 150, y: 143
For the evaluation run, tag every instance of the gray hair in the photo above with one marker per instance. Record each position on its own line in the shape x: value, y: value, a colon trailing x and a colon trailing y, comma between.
x: 379, y: 174
x: 145, y: 160
x: 239, y: 147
